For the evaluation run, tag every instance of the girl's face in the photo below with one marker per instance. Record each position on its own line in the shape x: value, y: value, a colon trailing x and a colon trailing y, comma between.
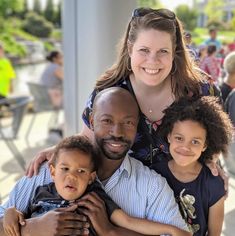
x: 151, y: 56
x: 187, y: 142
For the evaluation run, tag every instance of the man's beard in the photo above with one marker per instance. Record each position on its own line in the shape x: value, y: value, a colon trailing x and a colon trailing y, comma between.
x: 102, y: 146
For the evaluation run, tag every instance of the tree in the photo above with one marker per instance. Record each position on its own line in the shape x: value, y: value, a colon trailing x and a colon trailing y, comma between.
x: 49, y: 12
x: 37, y: 25
x: 149, y: 3
x: 7, y: 7
x: 37, y: 7
x: 187, y: 16
x: 57, y: 18
x: 213, y: 10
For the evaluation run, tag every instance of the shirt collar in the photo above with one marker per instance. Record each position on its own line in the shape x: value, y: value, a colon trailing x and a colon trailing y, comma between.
x: 126, y: 166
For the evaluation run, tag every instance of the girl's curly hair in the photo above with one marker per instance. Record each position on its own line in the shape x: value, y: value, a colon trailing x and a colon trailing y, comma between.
x: 208, y: 112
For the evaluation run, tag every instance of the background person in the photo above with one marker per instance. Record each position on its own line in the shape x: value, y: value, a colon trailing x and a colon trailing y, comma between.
x: 196, y: 130
x: 53, y: 76
x: 7, y: 74
x: 228, y: 83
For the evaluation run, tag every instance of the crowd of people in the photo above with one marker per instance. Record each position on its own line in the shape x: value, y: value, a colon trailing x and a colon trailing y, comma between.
x: 154, y: 111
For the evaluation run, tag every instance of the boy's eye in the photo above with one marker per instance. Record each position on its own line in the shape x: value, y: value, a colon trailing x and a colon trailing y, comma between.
x: 81, y: 171
x: 64, y: 168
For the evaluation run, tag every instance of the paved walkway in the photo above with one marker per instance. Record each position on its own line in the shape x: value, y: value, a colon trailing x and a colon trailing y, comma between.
x: 10, y: 172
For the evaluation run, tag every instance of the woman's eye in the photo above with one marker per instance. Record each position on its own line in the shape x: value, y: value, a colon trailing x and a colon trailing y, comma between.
x: 145, y: 50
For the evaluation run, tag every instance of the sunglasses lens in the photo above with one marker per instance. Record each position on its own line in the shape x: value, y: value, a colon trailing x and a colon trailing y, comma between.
x: 139, y: 12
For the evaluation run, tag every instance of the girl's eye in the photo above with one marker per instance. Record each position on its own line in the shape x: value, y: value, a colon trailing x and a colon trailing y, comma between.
x: 195, y: 142
x: 178, y: 138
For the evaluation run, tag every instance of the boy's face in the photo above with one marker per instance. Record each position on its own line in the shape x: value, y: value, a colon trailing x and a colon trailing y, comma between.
x: 187, y: 142
x: 72, y: 173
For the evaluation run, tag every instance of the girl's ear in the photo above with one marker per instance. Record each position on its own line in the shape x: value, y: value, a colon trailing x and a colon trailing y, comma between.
x: 204, y: 148
x: 169, y: 138
x: 92, y: 177
x: 52, y: 171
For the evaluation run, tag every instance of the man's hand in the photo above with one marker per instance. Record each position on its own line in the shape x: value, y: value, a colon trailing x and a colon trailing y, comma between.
x: 34, y: 165
x: 62, y: 221
x: 96, y: 211
x: 12, y: 220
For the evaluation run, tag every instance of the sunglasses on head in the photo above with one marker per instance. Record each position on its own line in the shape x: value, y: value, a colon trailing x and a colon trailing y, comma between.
x: 139, y: 12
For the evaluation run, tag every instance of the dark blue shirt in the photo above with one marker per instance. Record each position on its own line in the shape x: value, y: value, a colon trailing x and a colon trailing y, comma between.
x: 195, y: 197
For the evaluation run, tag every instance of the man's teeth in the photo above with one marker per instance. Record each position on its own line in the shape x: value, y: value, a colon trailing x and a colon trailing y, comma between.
x: 115, y: 145
x: 150, y: 71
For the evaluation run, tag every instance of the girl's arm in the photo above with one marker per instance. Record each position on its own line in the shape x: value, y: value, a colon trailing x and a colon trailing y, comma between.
x: 143, y: 226
x: 216, y: 217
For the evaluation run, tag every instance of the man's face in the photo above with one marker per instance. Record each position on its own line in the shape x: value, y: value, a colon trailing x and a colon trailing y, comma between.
x: 115, y: 122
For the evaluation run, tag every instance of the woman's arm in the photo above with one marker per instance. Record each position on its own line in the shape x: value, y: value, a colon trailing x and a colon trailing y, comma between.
x: 143, y: 226
x: 216, y: 217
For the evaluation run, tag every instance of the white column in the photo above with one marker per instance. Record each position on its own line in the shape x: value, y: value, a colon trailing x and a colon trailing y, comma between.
x: 91, y: 31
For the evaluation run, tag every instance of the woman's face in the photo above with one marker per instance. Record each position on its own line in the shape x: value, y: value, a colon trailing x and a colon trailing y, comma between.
x: 151, y: 56
x: 59, y: 59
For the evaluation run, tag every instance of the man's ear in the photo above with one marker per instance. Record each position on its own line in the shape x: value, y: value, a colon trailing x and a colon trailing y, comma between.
x: 129, y: 47
x: 92, y: 177
x: 91, y: 119
x: 52, y: 171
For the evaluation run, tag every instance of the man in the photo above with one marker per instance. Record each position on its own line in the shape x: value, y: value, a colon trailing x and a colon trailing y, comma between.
x: 213, y: 39
x: 138, y: 190
x: 7, y: 73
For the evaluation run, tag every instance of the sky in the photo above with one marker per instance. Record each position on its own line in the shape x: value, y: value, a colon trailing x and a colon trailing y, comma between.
x: 172, y: 4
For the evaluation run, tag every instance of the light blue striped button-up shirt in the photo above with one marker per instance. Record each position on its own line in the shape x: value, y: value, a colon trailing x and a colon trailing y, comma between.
x: 139, y: 191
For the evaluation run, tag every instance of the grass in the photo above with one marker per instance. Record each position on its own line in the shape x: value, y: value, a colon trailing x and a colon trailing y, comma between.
x: 199, y: 35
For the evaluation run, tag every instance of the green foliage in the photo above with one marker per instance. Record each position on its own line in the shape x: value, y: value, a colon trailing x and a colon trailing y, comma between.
x: 187, y: 16
x: 149, y: 3
x: 11, y: 46
x: 57, y: 18
x: 49, y: 11
x: 48, y: 46
x: 7, y: 7
x: 37, y: 25
x: 37, y: 6
x: 213, y: 10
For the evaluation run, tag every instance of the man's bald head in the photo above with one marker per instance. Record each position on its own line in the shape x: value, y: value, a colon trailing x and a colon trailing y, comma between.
x: 115, y: 93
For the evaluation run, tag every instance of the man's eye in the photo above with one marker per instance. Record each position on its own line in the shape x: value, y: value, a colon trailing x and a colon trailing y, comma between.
x: 106, y: 121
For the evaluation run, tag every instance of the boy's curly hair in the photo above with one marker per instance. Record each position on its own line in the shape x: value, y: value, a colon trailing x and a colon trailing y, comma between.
x: 76, y: 143
x: 207, y: 112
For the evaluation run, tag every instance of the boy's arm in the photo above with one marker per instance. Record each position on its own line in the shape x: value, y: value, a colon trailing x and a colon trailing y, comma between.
x: 147, y: 227
x: 57, y: 222
x: 95, y: 209
x: 216, y: 217
x: 11, y: 220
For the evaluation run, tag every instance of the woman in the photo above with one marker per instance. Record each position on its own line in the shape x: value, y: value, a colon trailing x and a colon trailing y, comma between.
x: 52, y: 77
x: 155, y: 67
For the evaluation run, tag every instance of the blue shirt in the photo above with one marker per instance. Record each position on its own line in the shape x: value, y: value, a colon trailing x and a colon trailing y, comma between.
x: 139, y: 191
x: 195, y: 197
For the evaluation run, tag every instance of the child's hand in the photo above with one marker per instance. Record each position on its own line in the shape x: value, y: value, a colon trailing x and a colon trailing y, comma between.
x: 11, y: 220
